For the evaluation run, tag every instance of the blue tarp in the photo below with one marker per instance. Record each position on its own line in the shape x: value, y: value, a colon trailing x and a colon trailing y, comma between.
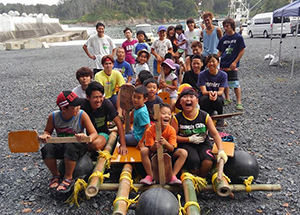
x: 292, y: 9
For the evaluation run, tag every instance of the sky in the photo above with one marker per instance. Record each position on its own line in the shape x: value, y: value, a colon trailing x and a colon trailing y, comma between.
x: 28, y: 2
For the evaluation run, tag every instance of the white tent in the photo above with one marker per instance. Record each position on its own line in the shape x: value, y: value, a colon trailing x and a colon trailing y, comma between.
x: 292, y: 9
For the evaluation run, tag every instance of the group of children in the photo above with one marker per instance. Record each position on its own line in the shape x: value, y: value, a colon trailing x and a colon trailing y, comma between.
x: 185, y: 136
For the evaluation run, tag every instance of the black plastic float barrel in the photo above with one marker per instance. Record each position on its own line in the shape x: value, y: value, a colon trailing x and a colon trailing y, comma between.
x: 84, y: 167
x: 241, y: 166
x: 157, y: 201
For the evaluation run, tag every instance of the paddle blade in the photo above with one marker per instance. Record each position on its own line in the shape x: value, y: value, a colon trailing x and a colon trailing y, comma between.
x: 23, y: 141
x: 125, y: 97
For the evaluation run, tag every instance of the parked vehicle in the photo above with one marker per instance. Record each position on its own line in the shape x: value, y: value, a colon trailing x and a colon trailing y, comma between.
x: 294, y: 28
x: 261, y: 25
x: 147, y: 28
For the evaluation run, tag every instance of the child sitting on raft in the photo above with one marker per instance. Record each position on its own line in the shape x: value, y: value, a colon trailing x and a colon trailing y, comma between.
x: 68, y: 121
x: 192, y: 126
x: 168, y: 142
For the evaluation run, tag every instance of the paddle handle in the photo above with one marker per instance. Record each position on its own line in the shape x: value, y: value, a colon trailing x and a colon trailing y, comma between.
x: 220, y: 169
x: 67, y: 140
x: 227, y: 115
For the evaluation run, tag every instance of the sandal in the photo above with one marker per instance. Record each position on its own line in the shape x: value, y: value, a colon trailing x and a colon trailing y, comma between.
x: 66, y: 185
x: 54, y: 180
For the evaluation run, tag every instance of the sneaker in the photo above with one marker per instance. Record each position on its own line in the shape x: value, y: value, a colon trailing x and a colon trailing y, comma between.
x: 239, y: 107
x: 227, y: 102
x: 221, y: 123
x: 175, y: 181
x: 147, y: 180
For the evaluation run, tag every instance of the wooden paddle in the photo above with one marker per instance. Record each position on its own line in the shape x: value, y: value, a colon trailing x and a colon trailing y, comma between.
x: 161, y: 162
x: 28, y: 141
x: 226, y: 115
x: 126, y: 103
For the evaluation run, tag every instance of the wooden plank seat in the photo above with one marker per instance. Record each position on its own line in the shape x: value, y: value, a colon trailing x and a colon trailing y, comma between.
x: 228, y: 148
x: 133, y: 156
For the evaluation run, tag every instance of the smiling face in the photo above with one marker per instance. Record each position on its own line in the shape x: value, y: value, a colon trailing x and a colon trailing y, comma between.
x: 143, y: 58
x: 188, y: 102
x: 128, y: 34
x: 138, y: 100
x: 212, y: 65
x: 70, y: 111
x: 197, y: 50
x: 161, y: 34
x: 108, y: 66
x: 165, y: 116
x: 167, y: 69
x: 84, y: 81
x: 96, y: 99
x: 120, y: 54
x: 191, y: 26
x: 208, y: 22
x: 196, y: 65
x: 100, y: 31
x: 152, y: 90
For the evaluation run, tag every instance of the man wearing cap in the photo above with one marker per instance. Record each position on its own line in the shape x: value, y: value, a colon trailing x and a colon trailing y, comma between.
x: 160, y: 48
x: 101, y: 44
x: 68, y: 121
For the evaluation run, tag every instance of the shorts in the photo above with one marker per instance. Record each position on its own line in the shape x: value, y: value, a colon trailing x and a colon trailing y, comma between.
x: 130, y: 139
x: 155, y: 73
x: 196, y: 154
x: 105, y: 135
x: 72, y: 151
x: 234, y: 84
x: 169, y: 153
x: 181, y: 51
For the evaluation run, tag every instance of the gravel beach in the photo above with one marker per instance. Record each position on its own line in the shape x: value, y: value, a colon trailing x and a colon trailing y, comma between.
x: 269, y: 130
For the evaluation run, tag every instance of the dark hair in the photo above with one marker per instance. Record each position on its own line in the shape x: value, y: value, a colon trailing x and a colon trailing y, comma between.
x: 169, y: 56
x: 210, y: 57
x: 161, y: 105
x: 127, y: 29
x: 107, y: 57
x: 142, y: 90
x: 196, y: 56
x: 150, y: 80
x: 179, y: 27
x: 94, y: 86
x: 168, y: 31
x: 144, y: 75
x: 84, y: 71
x: 142, y: 32
x: 197, y: 44
x: 188, y: 92
x: 190, y: 20
x: 229, y: 21
x: 100, y: 24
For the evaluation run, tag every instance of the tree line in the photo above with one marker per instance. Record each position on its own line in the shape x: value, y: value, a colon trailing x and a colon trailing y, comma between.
x: 93, y: 10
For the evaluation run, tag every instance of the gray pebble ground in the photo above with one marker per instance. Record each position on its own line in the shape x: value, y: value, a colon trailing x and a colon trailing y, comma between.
x: 269, y: 130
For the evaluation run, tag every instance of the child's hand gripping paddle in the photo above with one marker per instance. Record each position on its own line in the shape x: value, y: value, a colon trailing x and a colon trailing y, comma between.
x: 126, y: 103
x: 161, y: 163
x: 28, y: 141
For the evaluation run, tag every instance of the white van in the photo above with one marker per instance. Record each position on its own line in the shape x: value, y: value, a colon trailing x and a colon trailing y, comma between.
x: 261, y: 24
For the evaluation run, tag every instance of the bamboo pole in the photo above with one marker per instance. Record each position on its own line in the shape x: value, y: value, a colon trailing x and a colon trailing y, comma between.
x: 190, y: 196
x: 120, y: 207
x: 208, y: 188
x: 219, y: 182
x: 94, y: 183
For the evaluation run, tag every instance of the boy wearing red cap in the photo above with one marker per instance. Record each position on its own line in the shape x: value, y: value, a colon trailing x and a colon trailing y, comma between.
x: 68, y: 121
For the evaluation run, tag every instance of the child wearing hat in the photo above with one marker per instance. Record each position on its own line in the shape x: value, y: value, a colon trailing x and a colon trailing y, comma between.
x: 170, y: 82
x: 160, y: 48
x: 142, y: 62
x: 68, y: 121
x: 192, y: 126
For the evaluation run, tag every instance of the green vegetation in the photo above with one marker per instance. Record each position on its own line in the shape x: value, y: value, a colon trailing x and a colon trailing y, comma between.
x: 70, y: 11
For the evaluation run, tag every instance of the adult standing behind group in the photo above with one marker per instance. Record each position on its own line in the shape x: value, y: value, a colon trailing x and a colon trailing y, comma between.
x: 128, y: 45
x: 211, y: 35
x: 101, y: 44
x: 192, y: 34
x: 231, y: 49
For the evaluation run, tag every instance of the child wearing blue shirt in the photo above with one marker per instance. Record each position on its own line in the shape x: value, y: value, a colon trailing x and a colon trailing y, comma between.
x: 139, y: 117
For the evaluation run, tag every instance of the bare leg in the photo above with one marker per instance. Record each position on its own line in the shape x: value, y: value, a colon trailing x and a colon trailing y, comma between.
x: 238, y: 95
x: 52, y: 166
x: 181, y: 155
x: 226, y: 92
x: 98, y: 144
x: 206, y: 166
x: 145, y: 152
x: 69, y: 169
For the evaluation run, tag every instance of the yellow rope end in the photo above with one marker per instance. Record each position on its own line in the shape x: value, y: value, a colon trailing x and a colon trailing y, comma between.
x: 247, y: 183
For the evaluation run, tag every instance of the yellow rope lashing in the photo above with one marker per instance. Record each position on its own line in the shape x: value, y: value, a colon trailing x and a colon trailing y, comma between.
x: 100, y: 175
x: 105, y: 154
x: 197, y: 181
x: 79, y: 185
x: 214, y: 177
x: 183, y: 210
x: 248, y: 183
x: 128, y: 201
x: 127, y: 175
